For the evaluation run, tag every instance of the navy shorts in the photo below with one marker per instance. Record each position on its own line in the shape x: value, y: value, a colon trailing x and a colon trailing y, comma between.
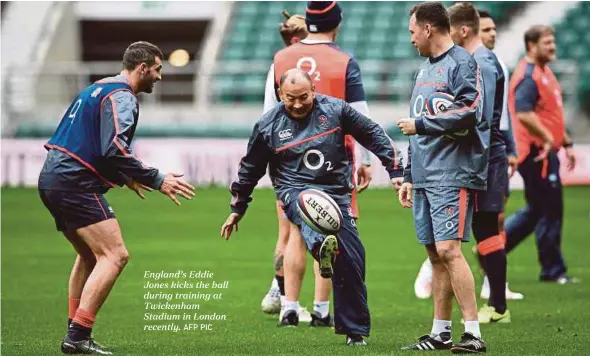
x: 492, y: 199
x: 442, y: 213
x: 74, y: 210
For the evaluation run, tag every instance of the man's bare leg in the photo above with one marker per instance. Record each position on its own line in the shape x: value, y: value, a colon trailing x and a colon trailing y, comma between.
x: 106, y: 242
x: 462, y: 281
x: 83, y: 266
x: 442, y: 295
x: 295, y: 264
x: 271, y: 303
x: 323, y: 288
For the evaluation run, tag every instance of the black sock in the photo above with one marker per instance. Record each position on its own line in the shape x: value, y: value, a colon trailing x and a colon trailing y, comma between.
x: 69, y: 322
x: 496, y: 271
x: 77, y: 332
x: 281, y: 283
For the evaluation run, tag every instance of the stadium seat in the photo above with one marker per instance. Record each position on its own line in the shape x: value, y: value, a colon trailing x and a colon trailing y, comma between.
x: 573, y: 43
x: 370, y: 30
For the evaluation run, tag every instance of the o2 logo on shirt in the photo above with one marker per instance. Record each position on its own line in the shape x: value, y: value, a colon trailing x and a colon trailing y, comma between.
x: 309, y: 65
x: 418, y: 106
x: 314, y: 160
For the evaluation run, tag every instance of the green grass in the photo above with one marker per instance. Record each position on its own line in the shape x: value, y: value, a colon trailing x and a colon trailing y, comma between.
x: 36, y: 260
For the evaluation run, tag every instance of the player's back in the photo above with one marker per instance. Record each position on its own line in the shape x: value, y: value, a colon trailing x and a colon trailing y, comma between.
x: 74, y: 162
x: 324, y: 62
x: 493, y: 97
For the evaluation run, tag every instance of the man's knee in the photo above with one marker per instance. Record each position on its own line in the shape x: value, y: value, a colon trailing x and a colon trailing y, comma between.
x: 433, y: 255
x: 448, y: 251
x: 119, y: 257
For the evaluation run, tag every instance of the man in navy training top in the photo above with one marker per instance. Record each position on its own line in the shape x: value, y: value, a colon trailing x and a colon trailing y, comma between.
x: 88, y: 154
x: 302, y: 140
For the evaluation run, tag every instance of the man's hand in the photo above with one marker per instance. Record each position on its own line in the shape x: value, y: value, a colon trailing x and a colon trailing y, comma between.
x: 407, y: 126
x: 570, y: 154
x: 405, y: 195
x: 512, y: 165
x: 547, y: 147
x: 137, y: 187
x: 173, y: 185
x: 364, y: 177
x: 228, y: 226
x: 397, y: 183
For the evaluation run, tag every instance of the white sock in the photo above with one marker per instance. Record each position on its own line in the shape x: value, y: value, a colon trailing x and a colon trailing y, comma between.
x: 283, y: 301
x: 292, y: 306
x: 440, y: 326
x: 473, y: 327
x: 322, y: 307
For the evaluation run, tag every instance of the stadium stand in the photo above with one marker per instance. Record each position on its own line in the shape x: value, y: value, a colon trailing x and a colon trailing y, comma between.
x: 573, y: 42
x: 380, y: 44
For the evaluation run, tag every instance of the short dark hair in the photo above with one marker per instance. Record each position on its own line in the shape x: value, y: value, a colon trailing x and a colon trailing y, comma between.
x: 300, y: 72
x: 433, y: 13
x: 485, y: 14
x: 464, y: 14
x: 141, y: 52
x: 534, y: 33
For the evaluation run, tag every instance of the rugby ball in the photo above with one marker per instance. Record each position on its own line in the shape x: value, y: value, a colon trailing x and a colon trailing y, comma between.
x: 438, y: 102
x: 319, y: 211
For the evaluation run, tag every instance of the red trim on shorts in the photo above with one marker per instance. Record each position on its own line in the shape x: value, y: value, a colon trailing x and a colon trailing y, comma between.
x: 462, y: 211
x: 101, y: 208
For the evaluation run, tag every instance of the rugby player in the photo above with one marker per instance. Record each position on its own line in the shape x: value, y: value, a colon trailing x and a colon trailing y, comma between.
x: 444, y: 171
x: 87, y: 155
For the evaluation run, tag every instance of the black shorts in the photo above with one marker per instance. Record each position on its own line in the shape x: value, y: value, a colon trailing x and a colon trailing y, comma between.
x: 492, y: 199
x: 74, y: 210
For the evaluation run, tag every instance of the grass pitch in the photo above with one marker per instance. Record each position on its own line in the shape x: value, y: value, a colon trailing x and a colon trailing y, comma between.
x: 36, y: 261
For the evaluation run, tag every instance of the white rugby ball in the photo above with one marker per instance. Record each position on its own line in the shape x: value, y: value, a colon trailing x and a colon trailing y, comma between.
x: 319, y: 211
